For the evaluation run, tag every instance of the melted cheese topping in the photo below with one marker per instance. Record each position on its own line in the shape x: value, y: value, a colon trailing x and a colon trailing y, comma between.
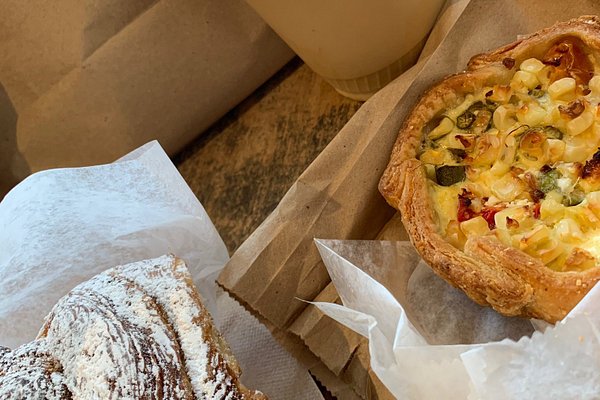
x: 521, y: 161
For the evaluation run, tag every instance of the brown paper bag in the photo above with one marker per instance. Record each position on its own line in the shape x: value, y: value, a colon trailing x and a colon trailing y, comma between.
x: 337, y: 197
x: 86, y: 81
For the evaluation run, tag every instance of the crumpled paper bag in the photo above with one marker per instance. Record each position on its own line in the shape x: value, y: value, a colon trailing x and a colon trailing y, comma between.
x: 85, y: 81
x: 427, y: 340
x: 61, y: 227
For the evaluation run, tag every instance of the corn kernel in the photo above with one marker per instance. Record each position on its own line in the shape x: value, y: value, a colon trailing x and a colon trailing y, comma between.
x: 504, y: 236
x: 556, y: 149
x: 516, y: 240
x: 535, y: 237
x: 519, y: 214
x: 503, y: 164
x: 562, y: 87
x: 594, y: 85
x: 500, y: 168
x: 543, y: 75
x: 551, y: 209
x: 581, y: 123
x: 501, y: 93
x: 532, y: 65
x: 503, y: 118
x: 568, y: 231
x: 454, y: 235
x: 555, y: 119
x: 475, y: 227
x: 522, y: 81
x: 531, y: 114
x: 446, y: 202
x: 487, y: 149
x: 550, y: 252
x: 507, y: 188
x: 583, y: 216
x: 579, y: 148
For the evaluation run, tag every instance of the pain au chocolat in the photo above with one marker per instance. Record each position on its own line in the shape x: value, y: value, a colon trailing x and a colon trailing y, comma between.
x: 496, y: 173
x: 137, y: 331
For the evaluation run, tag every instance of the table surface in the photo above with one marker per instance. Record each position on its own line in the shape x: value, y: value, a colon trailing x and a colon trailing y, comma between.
x: 242, y: 166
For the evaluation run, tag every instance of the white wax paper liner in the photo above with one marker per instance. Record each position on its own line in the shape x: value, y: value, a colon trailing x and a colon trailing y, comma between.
x: 60, y: 227
x: 563, y: 362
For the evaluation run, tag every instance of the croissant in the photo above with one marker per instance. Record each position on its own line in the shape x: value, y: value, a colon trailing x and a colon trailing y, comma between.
x: 138, y: 331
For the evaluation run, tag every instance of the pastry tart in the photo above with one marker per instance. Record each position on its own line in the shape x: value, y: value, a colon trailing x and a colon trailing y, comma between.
x: 496, y: 173
x: 137, y: 331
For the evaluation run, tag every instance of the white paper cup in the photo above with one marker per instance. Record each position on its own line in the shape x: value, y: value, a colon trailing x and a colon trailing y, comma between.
x: 358, y: 46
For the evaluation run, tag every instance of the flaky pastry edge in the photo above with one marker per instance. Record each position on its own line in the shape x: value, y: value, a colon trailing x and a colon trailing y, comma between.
x: 489, y: 272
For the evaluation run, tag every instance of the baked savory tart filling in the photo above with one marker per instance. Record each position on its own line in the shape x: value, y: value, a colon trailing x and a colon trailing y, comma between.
x: 521, y: 161
x: 497, y: 173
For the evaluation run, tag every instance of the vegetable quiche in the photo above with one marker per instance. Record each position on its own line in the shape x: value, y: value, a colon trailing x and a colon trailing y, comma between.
x: 496, y: 173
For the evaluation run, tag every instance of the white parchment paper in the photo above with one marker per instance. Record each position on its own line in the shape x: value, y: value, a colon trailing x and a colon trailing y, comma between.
x: 60, y: 227
x: 427, y: 340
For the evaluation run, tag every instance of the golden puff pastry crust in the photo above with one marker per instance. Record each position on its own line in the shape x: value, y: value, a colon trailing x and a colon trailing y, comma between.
x: 516, y: 87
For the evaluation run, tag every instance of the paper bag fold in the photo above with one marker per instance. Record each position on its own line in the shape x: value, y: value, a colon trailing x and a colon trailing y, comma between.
x: 342, y: 184
x: 91, y: 80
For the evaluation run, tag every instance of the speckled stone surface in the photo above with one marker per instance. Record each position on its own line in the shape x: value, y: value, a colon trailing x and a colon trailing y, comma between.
x: 244, y: 164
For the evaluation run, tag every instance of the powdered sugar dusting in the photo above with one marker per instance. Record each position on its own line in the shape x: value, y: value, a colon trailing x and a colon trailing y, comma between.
x: 205, y: 366
x: 105, y: 334
x: 137, y: 331
x: 30, y: 372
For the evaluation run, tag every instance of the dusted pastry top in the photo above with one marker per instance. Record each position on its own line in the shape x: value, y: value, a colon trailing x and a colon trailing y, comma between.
x: 137, y: 331
x: 520, y: 161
